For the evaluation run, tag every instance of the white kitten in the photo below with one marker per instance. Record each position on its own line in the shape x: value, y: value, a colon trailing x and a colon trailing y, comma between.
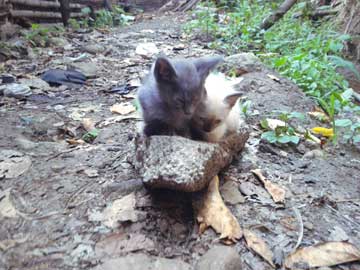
x: 219, y: 114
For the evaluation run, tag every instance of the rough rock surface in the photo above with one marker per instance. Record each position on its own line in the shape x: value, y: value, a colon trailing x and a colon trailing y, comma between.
x: 244, y: 63
x: 182, y: 164
x: 220, y: 258
x: 142, y: 262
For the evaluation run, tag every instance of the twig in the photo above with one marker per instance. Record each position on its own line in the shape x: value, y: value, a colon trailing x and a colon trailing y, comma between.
x: 301, y: 228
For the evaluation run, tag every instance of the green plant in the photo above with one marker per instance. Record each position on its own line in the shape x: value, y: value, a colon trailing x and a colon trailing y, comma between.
x: 39, y: 36
x: 283, y: 132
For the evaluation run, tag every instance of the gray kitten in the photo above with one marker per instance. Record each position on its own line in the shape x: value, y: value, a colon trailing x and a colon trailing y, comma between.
x: 171, y: 93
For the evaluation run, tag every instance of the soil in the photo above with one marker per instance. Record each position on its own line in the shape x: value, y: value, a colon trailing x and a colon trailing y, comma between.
x: 58, y: 197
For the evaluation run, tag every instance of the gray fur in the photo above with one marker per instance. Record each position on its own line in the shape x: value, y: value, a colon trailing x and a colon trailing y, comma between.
x: 172, y: 92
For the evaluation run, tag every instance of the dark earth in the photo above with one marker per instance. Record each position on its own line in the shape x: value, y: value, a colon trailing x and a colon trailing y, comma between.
x: 50, y: 215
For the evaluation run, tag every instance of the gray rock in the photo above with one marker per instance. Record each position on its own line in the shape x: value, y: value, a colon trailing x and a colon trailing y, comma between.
x: 13, y: 163
x: 178, y: 163
x: 59, y: 42
x: 142, y: 262
x: 15, y: 90
x: 242, y: 63
x: 338, y: 234
x: 93, y: 48
x: 231, y: 194
x: 220, y: 258
x: 36, y: 83
x: 89, y: 69
x: 25, y: 144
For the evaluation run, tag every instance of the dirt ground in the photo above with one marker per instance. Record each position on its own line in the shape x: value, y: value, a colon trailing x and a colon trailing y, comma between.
x: 54, y: 205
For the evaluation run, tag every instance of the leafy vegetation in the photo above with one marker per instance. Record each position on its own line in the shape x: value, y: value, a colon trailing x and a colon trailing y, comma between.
x: 305, y: 51
x: 106, y: 18
x: 39, y: 36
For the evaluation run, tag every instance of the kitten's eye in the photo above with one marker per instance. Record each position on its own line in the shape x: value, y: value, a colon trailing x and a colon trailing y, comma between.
x: 217, y: 122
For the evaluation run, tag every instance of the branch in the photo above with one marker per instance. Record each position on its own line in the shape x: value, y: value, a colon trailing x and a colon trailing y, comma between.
x: 278, y: 14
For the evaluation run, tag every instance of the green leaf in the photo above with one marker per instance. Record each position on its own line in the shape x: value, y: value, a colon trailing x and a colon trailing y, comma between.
x: 356, y: 139
x: 270, y: 136
x: 343, y: 122
x: 91, y: 135
x: 347, y: 94
x: 297, y: 115
x: 264, y: 124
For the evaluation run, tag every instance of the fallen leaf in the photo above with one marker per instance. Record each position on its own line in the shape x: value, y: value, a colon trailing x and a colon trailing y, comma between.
x: 321, y: 116
x: 326, y: 132
x: 120, y: 210
x: 277, y: 193
x: 122, y: 108
x: 325, y: 254
x: 259, y: 246
x: 274, y: 123
x: 7, y: 209
x: 274, y: 78
x: 88, y: 124
x: 211, y: 211
x: 75, y: 141
x: 119, y: 118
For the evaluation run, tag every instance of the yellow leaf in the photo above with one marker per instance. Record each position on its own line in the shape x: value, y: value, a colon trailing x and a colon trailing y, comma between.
x: 325, y: 254
x: 277, y: 193
x: 259, y: 246
x: 326, y: 132
x: 212, y: 211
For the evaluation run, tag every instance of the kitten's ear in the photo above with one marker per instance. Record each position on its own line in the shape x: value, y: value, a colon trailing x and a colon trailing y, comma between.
x: 205, y: 64
x: 231, y: 99
x: 164, y: 71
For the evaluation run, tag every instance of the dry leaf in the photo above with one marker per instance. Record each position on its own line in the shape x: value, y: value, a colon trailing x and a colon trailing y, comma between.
x: 259, y: 246
x: 88, y: 124
x: 277, y: 193
x: 325, y: 254
x: 75, y: 141
x: 319, y: 115
x: 274, y: 78
x: 211, y: 211
x: 122, y: 108
x: 274, y: 123
x: 119, y: 118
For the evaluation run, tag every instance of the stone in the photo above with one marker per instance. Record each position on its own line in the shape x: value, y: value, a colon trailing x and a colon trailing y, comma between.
x: 231, y: 194
x: 59, y: 42
x: 338, y: 234
x: 15, y: 90
x: 314, y: 154
x: 147, y: 50
x: 220, y: 258
x: 89, y: 69
x: 242, y: 63
x: 36, y: 83
x: 142, y: 262
x: 13, y: 163
x: 25, y: 144
x: 93, y: 48
x: 182, y: 164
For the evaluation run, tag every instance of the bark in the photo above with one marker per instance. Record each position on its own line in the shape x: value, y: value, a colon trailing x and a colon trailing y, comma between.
x: 65, y: 11
x: 176, y: 5
x: 108, y: 5
x: 40, y: 3
x: 41, y: 14
x: 278, y: 14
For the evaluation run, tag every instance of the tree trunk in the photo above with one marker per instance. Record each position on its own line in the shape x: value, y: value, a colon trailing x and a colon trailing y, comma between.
x: 65, y: 11
x: 278, y: 14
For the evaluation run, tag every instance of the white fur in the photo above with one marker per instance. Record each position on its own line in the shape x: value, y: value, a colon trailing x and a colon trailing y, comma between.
x: 218, y: 87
